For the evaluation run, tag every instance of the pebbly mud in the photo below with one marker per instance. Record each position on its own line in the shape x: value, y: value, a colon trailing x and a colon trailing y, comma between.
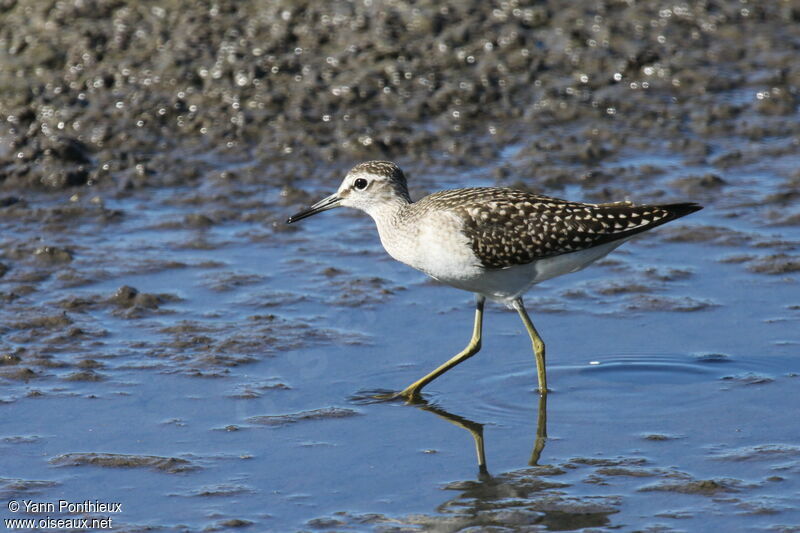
x: 120, y: 95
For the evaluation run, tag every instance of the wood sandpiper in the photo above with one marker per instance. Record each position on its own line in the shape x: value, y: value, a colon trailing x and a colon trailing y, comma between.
x: 494, y: 242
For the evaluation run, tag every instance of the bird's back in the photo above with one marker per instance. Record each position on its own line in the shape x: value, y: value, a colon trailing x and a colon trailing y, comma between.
x: 509, y: 227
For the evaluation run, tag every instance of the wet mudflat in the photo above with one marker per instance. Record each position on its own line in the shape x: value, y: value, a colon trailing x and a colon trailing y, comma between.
x: 168, y: 343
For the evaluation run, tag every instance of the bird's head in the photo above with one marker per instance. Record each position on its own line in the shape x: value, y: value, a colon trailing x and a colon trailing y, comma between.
x: 368, y: 186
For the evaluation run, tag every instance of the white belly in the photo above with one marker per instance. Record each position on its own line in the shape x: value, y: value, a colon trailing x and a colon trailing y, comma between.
x: 507, y: 284
x: 453, y: 262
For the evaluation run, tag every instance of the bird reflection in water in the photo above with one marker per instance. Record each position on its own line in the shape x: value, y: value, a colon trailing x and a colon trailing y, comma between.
x: 474, y: 428
x: 528, y: 494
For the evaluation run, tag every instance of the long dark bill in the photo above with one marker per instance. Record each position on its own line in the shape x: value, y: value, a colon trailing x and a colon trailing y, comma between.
x: 323, y: 205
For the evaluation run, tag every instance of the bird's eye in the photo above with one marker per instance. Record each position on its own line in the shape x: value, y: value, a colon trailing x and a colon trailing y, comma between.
x: 360, y: 184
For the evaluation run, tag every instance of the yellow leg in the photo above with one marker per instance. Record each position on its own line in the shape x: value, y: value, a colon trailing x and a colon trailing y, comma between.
x: 412, y: 392
x: 538, y: 344
x: 541, y: 432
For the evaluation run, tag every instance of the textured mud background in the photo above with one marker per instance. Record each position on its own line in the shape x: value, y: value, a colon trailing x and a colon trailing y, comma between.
x: 168, y: 343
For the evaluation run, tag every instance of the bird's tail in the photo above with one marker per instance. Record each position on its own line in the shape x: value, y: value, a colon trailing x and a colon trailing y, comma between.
x: 681, y: 209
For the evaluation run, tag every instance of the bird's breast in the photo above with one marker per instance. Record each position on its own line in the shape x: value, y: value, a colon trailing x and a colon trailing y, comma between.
x: 434, y: 244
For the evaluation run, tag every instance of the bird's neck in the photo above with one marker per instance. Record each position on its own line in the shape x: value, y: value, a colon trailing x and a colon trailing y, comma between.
x: 387, y: 212
x: 391, y: 218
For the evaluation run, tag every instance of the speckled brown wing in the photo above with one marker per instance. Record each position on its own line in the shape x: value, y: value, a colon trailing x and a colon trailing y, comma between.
x: 508, y: 227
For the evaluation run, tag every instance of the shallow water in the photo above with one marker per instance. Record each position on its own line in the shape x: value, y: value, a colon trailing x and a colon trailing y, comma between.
x: 228, y: 387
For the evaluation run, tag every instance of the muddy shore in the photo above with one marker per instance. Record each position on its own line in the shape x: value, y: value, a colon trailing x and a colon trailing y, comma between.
x: 127, y: 94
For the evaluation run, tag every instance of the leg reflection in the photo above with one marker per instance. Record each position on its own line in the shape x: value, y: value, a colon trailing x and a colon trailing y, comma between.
x: 475, y: 429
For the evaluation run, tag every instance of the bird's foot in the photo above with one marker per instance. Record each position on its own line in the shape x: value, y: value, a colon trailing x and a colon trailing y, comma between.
x: 412, y: 396
x: 383, y: 395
